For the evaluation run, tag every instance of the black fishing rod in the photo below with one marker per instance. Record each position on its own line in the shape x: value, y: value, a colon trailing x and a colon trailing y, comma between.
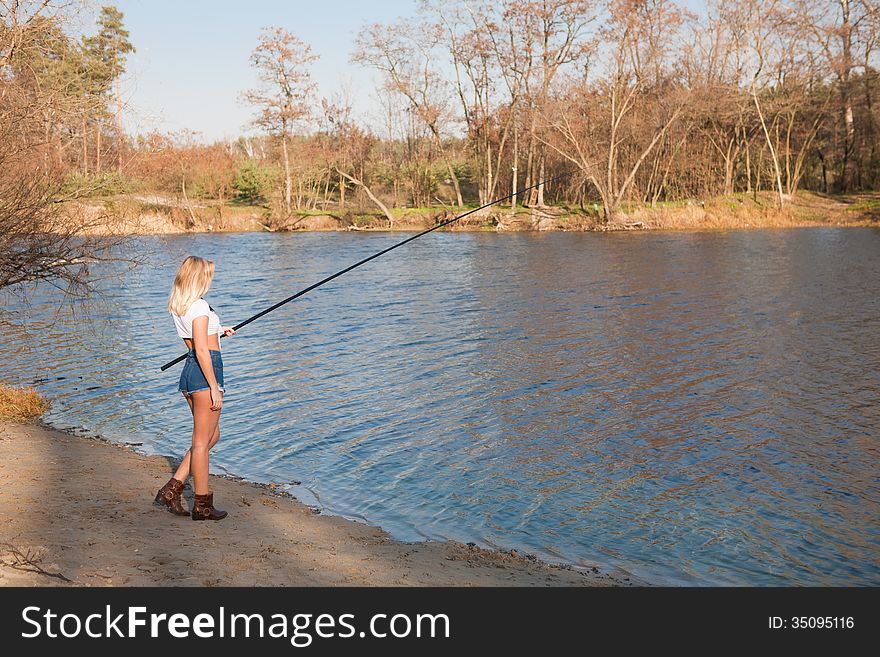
x: 372, y: 257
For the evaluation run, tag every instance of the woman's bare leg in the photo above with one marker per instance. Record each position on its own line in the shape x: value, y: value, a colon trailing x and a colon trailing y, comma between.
x: 183, y: 469
x: 205, y: 424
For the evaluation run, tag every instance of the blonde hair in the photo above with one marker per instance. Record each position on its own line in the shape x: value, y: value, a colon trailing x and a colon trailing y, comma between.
x: 191, y: 283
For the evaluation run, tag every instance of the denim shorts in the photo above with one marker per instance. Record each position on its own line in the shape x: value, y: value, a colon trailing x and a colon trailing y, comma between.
x: 193, y: 380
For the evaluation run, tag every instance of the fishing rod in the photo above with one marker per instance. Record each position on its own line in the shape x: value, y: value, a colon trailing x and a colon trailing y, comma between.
x: 372, y: 257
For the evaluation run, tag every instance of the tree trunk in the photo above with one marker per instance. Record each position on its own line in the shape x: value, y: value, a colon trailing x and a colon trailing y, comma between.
x: 454, y: 178
x: 119, y: 124
x: 514, y: 181
x: 781, y: 194
x: 372, y: 196
x: 543, y: 158
x: 286, y: 173
x: 748, y: 167
x: 530, y: 159
x: 98, y: 148
x: 609, y: 207
x: 870, y: 129
x: 729, y: 160
x: 192, y: 215
x: 489, y: 175
x: 759, y: 169
x: 341, y: 191
x: 85, y: 148
x: 449, y: 168
x: 846, y: 101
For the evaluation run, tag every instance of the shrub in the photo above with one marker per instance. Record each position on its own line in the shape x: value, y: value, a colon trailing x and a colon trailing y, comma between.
x: 253, y: 182
x: 105, y: 184
x: 21, y: 404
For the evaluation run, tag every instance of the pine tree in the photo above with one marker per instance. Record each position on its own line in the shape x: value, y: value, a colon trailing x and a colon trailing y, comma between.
x: 105, y: 55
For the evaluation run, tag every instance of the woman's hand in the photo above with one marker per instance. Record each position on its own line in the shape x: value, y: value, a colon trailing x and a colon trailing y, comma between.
x: 216, y: 399
x: 227, y: 331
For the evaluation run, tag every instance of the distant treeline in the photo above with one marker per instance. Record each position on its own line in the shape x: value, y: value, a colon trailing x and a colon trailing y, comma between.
x: 639, y: 101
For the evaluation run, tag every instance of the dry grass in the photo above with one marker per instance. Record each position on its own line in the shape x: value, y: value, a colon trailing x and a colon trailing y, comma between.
x: 128, y: 215
x: 746, y: 211
x: 21, y: 404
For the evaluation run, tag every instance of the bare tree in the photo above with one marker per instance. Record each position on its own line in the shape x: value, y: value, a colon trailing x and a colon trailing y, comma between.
x: 839, y: 30
x: 551, y: 34
x: 283, y: 99
x: 406, y: 54
x: 594, y: 125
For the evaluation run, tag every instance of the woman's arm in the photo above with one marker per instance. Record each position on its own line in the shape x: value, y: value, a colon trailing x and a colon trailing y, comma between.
x: 203, y: 355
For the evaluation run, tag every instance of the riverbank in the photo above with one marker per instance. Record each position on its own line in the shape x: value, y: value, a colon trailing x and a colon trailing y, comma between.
x: 144, y: 215
x: 78, y: 512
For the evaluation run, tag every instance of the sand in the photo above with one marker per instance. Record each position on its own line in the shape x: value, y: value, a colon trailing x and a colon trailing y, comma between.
x: 77, y: 511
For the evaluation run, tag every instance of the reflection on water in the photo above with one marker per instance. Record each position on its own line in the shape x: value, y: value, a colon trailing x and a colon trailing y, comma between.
x: 693, y: 408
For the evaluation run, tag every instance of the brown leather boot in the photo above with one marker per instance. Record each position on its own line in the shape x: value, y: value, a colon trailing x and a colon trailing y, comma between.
x: 169, y: 497
x: 203, y: 509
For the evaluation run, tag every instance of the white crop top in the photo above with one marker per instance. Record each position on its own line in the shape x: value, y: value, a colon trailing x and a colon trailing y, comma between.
x: 199, y: 307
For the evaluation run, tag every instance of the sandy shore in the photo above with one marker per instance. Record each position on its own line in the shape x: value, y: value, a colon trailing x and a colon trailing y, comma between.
x: 78, y: 512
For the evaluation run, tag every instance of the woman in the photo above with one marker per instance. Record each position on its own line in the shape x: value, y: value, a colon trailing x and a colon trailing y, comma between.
x: 201, y: 383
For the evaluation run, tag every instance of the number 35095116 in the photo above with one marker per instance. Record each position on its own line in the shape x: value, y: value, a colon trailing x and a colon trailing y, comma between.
x: 811, y: 623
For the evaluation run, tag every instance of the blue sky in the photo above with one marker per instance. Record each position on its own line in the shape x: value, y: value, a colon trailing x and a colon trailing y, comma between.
x: 191, y: 62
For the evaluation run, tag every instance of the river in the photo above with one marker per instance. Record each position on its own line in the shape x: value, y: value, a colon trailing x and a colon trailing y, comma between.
x: 692, y: 408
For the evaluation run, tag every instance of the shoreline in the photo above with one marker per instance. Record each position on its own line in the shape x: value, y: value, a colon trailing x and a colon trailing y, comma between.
x: 79, y: 511
x: 134, y: 216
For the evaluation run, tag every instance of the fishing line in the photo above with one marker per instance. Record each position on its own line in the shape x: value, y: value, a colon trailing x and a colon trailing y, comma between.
x: 372, y: 257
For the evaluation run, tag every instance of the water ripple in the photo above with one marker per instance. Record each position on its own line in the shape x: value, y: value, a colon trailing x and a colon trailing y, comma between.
x: 695, y: 408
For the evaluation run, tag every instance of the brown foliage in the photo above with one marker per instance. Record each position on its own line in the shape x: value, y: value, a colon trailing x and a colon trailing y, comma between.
x: 21, y: 404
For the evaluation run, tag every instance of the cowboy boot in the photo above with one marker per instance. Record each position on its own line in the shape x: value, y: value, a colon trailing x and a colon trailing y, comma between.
x: 203, y: 509
x: 169, y: 497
